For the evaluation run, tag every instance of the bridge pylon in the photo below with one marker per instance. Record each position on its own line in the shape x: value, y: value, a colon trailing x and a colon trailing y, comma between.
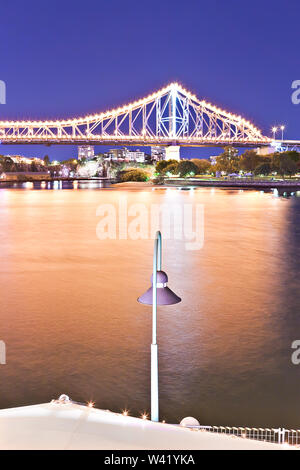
x: 172, y: 152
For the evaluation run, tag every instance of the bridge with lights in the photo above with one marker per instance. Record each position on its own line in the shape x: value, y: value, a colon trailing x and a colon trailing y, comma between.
x: 171, y: 116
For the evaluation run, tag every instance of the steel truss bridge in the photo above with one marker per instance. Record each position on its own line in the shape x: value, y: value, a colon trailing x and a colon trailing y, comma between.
x: 170, y: 116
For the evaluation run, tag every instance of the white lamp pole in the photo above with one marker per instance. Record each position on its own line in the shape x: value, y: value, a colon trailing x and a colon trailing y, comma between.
x: 154, y: 346
x: 158, y: 294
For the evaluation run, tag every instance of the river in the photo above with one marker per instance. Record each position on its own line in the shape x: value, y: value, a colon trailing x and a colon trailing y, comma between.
x: 71, y: 322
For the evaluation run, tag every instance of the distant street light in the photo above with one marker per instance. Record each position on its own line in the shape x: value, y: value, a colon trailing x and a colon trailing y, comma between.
x: 274, y: 130
x: 282, y: 129
x: 159, y: 295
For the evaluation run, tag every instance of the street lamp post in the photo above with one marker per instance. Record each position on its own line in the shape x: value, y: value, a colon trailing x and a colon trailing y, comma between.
x: 157, y: 294
x: 274, y: 130
x: 282, y: 129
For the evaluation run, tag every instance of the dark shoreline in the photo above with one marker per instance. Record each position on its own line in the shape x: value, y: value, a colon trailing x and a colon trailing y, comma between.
x: 289, y: 185
x: 51, y: 179
x: 293, y: 185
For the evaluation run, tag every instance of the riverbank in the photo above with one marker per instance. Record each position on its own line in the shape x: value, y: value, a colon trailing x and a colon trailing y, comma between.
x: 240, y: 183
x: 47, y: 178
x: 134, y: 184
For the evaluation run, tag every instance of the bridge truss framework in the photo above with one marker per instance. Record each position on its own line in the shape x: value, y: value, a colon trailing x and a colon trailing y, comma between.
x: 171, y: 116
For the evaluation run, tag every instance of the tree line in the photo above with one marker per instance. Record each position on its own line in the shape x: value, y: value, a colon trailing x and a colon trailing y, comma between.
x: 230, y: 162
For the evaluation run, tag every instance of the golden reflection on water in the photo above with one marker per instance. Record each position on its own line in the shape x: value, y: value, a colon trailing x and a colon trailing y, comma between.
x: 71, y: 322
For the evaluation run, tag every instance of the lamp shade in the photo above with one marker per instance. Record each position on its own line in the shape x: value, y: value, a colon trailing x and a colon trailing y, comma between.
x: 165, y: 296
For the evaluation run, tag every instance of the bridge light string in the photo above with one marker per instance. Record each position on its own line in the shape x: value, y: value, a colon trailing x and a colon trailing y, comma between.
x: 235, y: 119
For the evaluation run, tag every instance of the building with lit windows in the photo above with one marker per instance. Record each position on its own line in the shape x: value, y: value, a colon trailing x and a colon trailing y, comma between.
x: 86, y: 151
x: 158, y: 153
x: 125, y: 154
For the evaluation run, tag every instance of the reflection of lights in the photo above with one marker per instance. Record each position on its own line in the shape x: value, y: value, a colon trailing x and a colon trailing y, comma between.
x: 43, y: 184
x: 75, y: 184
x: 55, y: 184
x: 28, y: 185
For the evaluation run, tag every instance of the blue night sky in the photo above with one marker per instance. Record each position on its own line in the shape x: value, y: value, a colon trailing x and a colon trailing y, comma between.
x: 69, y: 58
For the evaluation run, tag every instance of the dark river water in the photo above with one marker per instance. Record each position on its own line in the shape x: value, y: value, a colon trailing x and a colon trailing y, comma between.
x: 71, y: 322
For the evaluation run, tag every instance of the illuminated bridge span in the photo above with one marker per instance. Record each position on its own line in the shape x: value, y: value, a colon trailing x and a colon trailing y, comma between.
x: 171, y: 116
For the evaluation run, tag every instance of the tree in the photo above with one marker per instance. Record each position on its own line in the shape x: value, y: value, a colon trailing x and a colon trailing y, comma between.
x: 249, y: 160
x: 7, y: 164
x: 283, y: 164
x: 134, y: 175
x: 292, y: 154
x: 203, y: 165
x: 289, y: 167
x: 33, y: 167
x: 228, y: 161
x: 162, y: 164
x: 263, y: 169
x: 187, y: 168
x: 172, y: 168
x: 46, y: 160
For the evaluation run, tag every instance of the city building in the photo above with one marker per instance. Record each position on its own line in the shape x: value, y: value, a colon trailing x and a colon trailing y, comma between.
x: 124, y: 154
x: 86, y: 151
x: 158, y: 153
x: 117, y: 154
x: 135, y: 156
x: 173, y: 152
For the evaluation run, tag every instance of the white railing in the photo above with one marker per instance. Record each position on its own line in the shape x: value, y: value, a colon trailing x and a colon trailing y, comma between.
x: 275, y: 435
